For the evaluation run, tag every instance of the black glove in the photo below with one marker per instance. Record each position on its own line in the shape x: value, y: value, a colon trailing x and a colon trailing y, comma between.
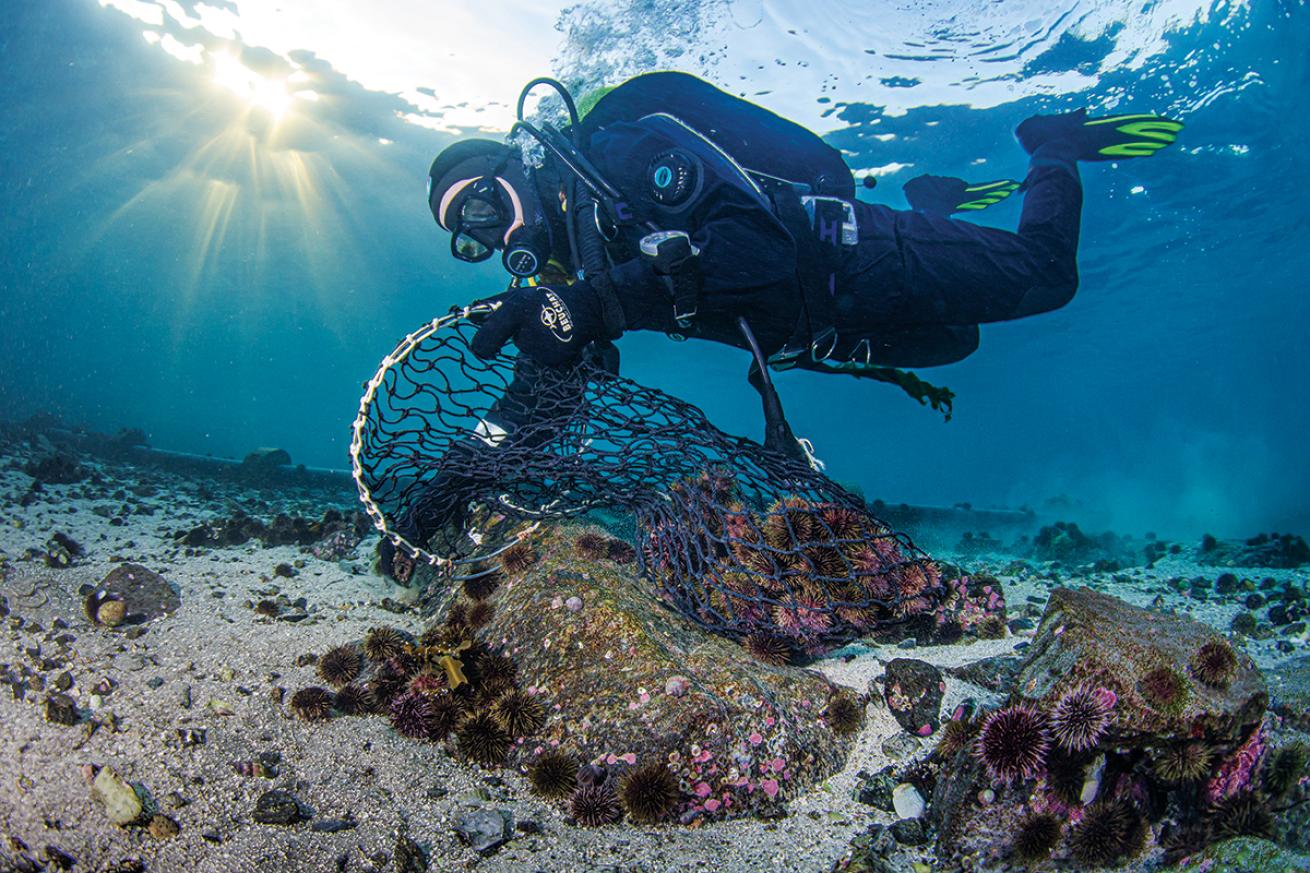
x: 549, y: 323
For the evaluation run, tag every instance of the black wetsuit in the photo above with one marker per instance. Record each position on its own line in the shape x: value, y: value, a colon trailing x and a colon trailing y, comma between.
x: 911, y: 291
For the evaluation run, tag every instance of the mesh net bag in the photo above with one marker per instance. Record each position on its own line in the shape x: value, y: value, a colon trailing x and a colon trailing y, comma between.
x: 448, y: 449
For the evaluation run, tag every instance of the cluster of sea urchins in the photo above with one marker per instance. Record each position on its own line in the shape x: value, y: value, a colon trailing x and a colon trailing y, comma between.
x: 445, y: 684
x: 648, y: 793
x: 1013, y: 743
x: 787, y: 578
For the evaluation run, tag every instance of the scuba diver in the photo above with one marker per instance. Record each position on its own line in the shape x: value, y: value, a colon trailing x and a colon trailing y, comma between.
x: 674, y: 206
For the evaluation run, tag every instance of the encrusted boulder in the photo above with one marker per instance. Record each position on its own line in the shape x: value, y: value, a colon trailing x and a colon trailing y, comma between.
x: 913, y: 690
x: 628, y: 681
x: 1120, y: 717
x: 1152, y: 661
x: 143, y: 593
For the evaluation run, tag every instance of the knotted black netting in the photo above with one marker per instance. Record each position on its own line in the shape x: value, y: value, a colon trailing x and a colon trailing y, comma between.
x: 742, y: 540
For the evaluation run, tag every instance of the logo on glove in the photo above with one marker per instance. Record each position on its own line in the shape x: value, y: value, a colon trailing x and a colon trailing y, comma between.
x: 557, y: 318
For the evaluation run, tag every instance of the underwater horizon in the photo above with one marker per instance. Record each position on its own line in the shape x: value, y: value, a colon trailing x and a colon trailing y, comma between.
x: 215, y: 228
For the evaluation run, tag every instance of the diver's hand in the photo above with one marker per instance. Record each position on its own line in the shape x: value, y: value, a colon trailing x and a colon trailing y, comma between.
x: 549, y: 323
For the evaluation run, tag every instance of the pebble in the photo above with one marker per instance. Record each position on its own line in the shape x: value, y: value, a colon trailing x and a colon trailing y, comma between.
x: 279, y: 808
x: 900, y: 746
x: 119, y: 800
x: 333, y: 825
x: 184, y: 697
x: 162, y: 827
x: 61, y: 709
x: 486, y: 830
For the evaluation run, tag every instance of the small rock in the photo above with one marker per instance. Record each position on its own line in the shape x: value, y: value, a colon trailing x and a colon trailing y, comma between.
x: 61, y: 709
x: 876, y: 790
x: 900, y: 746
x: 913, y: 690
x: 111, y: 613
x: 154, y: 682
x: 486, y: 830
x: 184, y: 697
x: 410, y: 857
x: 910, y: 832
x: 162, y: 827
x: 121, y: 803
x: 333, y: 825
x: 279, y: 808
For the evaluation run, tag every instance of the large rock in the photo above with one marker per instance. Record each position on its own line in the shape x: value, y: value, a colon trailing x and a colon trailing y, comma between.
x: 631, y: 681
x: 1149, y: 661
x: 1244, y: 855
x: 1091, y: 638
x: 913, y: 690
x: 145, y: 594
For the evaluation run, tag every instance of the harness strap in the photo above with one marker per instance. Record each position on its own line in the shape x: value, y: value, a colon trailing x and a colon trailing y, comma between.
x: 818, y: 259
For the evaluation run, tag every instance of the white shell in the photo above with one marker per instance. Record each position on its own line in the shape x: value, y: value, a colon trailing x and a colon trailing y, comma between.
x: 907, y: 801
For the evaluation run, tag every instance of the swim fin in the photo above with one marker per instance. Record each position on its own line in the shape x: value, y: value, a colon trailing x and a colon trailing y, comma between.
x: 1111, y: 138
x: 944, y: 195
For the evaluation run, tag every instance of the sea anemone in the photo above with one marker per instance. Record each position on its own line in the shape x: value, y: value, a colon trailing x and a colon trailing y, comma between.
x: 354, y: 700
x: 480, y: 586
x: 1165, y: 689
x: 650, y: 793
x: 1036, y: 837
x: 339, y: 665
x: 413, y: 715
x: 1242, y: 815
x: 1109, y: 831
x: 519, y: 713
x: 769, y: 648
x: 518, y: 558
x: 383, y: 643
x: 595, y: 805
x: 554, y: 774
x: 1215, y: 663
x: 1081, y: 717
x: 480, y: 613
x: 591, y: 545
x: 1284, y: 769
x: 844, y: 714
x: 1183, y: 762
x: 482, y: 739
x: 1013, y: 742
x: 312, y: 703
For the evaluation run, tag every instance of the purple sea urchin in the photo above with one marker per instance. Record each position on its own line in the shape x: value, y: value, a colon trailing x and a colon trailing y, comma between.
x: 591, y: 546
x: 480, y: 586
x: 519, y: 713
x: 1242, y: 815
x: 1036, y: 837
x: 413, y: 715
x: 769, y: 648
x: 844, y: 714
x: 650, y: 793
x: 554, y: 774
x: 1109, y: 831
x: 1285, y: 767
x: 593, y: 806
x: 1081, y: 717
x: 480, y: 613
x: 312, y: 703
x: 1013, y: 743
x: 339, y: 665
x: 956, y: 734
x: 1165, y: 689
x: 354, y: 700
x: 386, y: 683
x: 383, y: 643
x: 482, y: 739
x: 1183, y: 762
x: 493, y: 667
x: 447, y: 710
x: 518, y: 558
x: 1215, y: 664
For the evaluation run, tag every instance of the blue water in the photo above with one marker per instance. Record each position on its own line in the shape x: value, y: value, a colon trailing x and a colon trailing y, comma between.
x: 176, y: 260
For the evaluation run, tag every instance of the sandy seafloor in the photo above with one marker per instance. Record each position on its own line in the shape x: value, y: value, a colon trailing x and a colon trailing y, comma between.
x: 218, y: 652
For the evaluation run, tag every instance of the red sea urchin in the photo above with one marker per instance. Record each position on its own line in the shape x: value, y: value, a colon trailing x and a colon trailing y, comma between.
x: 1109, y: 831
x: 482, y: 739
x: 1013, y: 743
x: 518, y: 558
x: 769, y: 648
x: 1036, y: 837
x: 554, y: 774
x: 844, y: 714
x: 383, y: 643
x: 1081, y: 717
x: 339, y: 665
x: 595, y: 805
x: 1165, y: 689
x: 650, y: 793
x: 519, y: 713
x: 355, y: 700
x: 591, y: 545
x: 312, y: 703
x: 1215, y: 664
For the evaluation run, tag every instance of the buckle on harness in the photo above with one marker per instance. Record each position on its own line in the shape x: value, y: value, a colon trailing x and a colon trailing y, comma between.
x: 826, y: 212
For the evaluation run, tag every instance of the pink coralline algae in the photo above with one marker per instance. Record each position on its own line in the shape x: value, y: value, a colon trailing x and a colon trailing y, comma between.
x: 970, y: 601
x: 1235, y: 772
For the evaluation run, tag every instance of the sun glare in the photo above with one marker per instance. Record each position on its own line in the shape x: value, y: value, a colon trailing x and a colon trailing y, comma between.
x: 271, y: 95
